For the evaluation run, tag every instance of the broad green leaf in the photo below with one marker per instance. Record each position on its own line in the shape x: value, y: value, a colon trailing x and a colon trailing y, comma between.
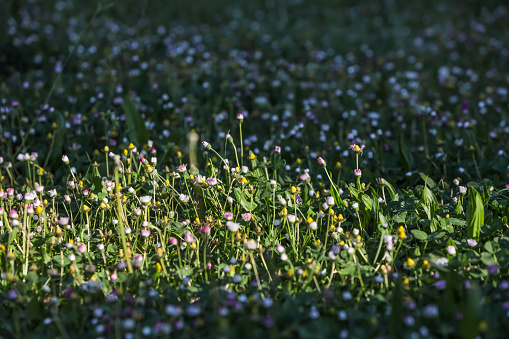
x: 420, y: 235
x: 475, y: 214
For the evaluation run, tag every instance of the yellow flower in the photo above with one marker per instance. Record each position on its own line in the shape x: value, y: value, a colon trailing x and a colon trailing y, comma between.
x: 86, y: 208
x: 406, y: 281
x: 106, y: 149
x: 243, y: 180
x: 38, y: 209
x: 252, y: 156
x: 425, y: 264
x: 410, y: 262
x: 309, y: 220
x: 2, y: 248
x: 131, y: 146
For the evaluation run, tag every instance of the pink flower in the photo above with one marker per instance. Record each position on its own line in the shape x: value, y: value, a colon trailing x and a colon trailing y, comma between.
x: 206, y: 145
x: 228, y: 215
x: 321, y: 162
x: 305, y: 177
x: 247, y: 216
x: 212, y: 181
x: 145, y: 233
x: 277, y: 149
x: 13, y: 214
x: 204, y: 229
x: 357, y: 172
x: 240, y: 117
x: 173, y: 241
x: 188, y: 237
x: 82, y: 248
x: 182, y: 168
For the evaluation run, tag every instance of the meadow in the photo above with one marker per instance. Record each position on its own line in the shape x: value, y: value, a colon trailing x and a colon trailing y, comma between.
x: 283, y: 169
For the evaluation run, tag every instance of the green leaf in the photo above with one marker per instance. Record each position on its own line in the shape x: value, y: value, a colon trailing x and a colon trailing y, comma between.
x: 245, y: 199
x: 337, y: 197
x: 420, y: 235
x: 137, y: 131
x: 475, y: 214
x: 392, y: 191
x: 427, y: 180
x: 404, y: 154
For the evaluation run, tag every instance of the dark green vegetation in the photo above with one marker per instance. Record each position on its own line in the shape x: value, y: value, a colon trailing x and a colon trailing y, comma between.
x: 289, y: 169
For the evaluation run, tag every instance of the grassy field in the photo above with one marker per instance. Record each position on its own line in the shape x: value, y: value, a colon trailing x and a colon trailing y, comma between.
x: 290, y: 169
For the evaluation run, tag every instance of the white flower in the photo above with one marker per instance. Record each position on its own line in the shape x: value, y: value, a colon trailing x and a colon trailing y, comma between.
x: 184, y: 198
x: 232, y: 226
x: 251, y: 244
x: 442, y: 262
x: 471, y: 242
x: 313, y: 226
x: 451, y: 250
x: 145, y: 199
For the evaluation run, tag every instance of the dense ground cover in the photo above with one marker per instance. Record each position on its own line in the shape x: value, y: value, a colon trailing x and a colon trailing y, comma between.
x: 285, y: 168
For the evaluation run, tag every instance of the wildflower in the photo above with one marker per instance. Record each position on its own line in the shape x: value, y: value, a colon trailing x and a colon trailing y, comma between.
x: 247, y: 217
x: 313, y: 225
x: 321, y: 162
x: 65, y: 159
x: 240, y: 117
x: 291, y: 218
x: 145, y: 199
x: 145, y: 233
x: 451, y: 250
x: 211, y: 181
x: 182, y: 168
x: 463, y: 190
x: 188, y: 237
x: 277, y: 149
x: 206, y: 145
x: 305, y: 177
x: 251, y: 244
x: 356, y: 148
x: 357, y: 172
x: 410, y: 262
x: 471, y: 242
x: 183, y: 198
x: 441, y: 262
x: 13, y: 214
x: 82, y: 248
x: 330, y: 201
x: 228, y: 215
x: 232, y: 226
